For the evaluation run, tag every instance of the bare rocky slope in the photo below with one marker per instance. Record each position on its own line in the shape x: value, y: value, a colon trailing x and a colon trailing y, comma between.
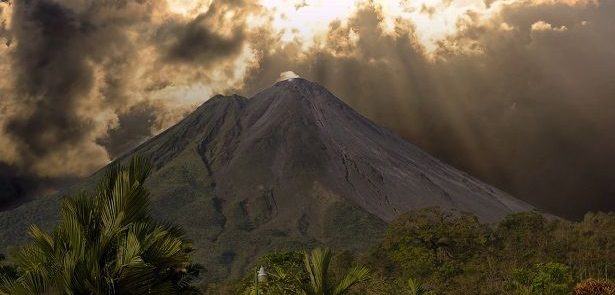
x: 291, y: 167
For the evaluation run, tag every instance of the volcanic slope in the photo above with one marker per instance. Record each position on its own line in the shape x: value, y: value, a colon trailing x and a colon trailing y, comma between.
x: 291, y: 167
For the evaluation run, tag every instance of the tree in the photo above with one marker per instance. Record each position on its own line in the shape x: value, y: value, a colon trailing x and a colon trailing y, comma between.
x: 317, y: 264
x: 106, y: 242
x: 543, y: 279
x: 436, y: 247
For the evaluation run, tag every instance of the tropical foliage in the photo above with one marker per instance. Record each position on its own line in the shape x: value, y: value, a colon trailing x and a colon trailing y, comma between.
x: 7, y: 271
x: 106, y: 242
x: 308, y: 273
x: 526, y: 253
x: 317, y: 265
x: 431, y: 251
x: 414, y: 288
x: 542, y: 279
x: 286, y: 274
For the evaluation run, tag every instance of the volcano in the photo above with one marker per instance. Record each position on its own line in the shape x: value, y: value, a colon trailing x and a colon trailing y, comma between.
x: 291, y: 167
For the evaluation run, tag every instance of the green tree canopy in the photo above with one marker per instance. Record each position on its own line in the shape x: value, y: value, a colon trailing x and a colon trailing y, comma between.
x: 542, y: 279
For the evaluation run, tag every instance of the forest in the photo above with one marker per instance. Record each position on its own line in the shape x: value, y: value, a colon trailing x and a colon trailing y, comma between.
x: 107, y: 242
x: 432, y: 251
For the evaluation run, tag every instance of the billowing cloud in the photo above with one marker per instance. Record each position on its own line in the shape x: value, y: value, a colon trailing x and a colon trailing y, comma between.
x: 210, y: 36
x: 518, y: 92
x: 287, y: 75
x: 79, y: 66
x: 544, y: 26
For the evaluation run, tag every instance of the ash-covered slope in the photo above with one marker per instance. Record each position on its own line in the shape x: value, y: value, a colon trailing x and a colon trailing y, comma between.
x: 297, y: 132
x: 290, y: 167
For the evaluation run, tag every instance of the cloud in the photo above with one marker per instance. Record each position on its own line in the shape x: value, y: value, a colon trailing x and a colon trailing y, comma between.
x: 48, y: 87
x: 517, y: 92
x: 287, y: 75
x: 80, y: 67
x: 541, y: 26
x: 5, y: 11
x: 202, y: 40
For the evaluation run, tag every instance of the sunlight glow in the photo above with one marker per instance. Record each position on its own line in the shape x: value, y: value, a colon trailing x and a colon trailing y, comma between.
x: 306, y: 22
x: 189, y: 8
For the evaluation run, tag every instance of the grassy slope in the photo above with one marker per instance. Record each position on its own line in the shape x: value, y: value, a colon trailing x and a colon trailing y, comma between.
x: 228, y: 237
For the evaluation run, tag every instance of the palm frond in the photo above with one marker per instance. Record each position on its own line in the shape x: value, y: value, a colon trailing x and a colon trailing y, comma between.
x: 413, y: 286
x: 137, y: 277
x: 317, y: 266
x: 139, y: 169
x: 129, y: 249
x: 31, y: 258
x: 41, y: 239
x: 354, y: 276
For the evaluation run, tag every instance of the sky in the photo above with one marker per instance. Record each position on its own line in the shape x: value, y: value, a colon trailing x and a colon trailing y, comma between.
x: 520, y: 93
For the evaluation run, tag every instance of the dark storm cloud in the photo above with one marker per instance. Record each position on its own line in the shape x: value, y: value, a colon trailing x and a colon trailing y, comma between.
x: 527, y: 110
x: 75, y: 67
x: 134, y: 127
x: 52, y: 72
x: 54, y: 65
x: 199, y: 42
x: 12, y: 187
x: 17, y: 187
x: 4, y: 31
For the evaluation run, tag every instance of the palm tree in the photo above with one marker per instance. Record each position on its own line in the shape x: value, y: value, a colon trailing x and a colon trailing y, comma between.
x: 413, y: 287
x: 106, y: 243
x: 320, y: 282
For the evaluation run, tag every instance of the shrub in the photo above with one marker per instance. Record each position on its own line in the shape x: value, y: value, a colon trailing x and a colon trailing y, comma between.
x: 595, y: 287
x: 545, y: 279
